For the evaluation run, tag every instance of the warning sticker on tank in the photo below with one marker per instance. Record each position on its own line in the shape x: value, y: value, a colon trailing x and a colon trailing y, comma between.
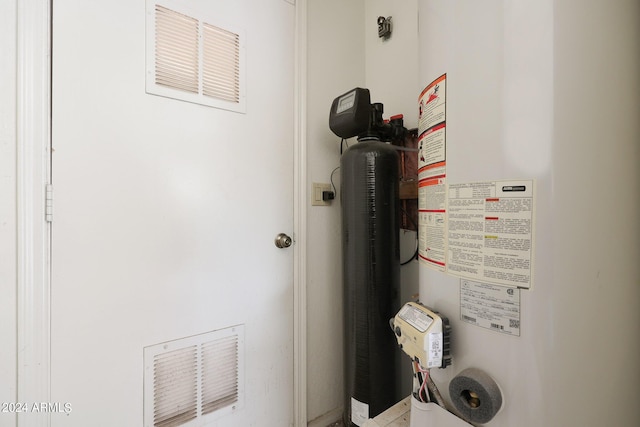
x: 432, y: 121
x: 432, y: 174
x: 490, y: 306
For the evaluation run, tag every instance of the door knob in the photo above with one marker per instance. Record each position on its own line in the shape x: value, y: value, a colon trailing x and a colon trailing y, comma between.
x: 283, y: 241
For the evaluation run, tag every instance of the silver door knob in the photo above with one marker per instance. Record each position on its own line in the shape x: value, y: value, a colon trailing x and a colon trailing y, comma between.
x: 283, y: 241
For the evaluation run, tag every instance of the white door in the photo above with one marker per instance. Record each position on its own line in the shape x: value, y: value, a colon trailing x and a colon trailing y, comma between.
x: 166, y: 213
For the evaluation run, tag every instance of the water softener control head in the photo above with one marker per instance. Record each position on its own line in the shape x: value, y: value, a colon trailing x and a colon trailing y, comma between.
x: 423, y: 335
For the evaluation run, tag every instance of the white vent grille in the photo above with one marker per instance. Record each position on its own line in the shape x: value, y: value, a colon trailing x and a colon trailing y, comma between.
x: 195, y: 379
x: 191, y: 59
x: 221, y: 72
x: 219, y: 374
x: 176, y: 50
x: 175, y: 387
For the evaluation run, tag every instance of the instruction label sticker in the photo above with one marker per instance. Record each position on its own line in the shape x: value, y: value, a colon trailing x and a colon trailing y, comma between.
x: 415, y: 317
x: 490, y: 306
x: 435, y: 350
x: 359, y: 412
x: 490, y: 231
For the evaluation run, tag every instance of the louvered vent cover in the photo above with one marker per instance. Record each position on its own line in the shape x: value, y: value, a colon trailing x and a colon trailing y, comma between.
x: 176, y: 50
x: 191, y: 59
x: 221, y: 72
x: 193, y: 380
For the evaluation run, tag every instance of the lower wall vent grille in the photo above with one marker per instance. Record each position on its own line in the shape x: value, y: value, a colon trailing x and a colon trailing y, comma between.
x: 192, y: 380
x: 175, y: 387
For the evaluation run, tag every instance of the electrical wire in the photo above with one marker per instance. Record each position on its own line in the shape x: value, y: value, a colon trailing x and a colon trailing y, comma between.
x: 342, y: 141
x: 335, y: 192
x: 423, y: 389
x: 427, y: 387
x: 413, y: 257
x: 415, y: 254
x: 417, y: 380
x: 431, y: 387
x: 422, y: 375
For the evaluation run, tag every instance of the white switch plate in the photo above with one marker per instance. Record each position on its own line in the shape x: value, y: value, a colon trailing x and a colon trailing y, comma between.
x: 316, y: 194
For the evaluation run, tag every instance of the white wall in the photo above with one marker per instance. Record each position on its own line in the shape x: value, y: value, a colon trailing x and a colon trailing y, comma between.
x: 8, y: 207
x: 391, y: 71
x: 336, y: 61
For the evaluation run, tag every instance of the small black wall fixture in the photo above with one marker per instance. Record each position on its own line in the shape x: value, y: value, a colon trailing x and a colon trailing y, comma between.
x: 384, y: 27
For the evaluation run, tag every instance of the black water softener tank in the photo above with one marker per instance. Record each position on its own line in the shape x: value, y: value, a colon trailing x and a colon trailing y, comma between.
x: 371, y: 275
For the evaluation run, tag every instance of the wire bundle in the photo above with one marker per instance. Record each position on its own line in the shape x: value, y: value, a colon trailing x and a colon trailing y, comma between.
x: 427, y: 390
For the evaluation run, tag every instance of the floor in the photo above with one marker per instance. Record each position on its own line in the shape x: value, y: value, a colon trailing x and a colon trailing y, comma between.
x: 336, y: 424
